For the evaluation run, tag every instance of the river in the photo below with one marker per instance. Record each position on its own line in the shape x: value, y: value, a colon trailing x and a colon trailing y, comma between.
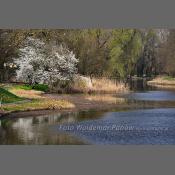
x: 115, y: 126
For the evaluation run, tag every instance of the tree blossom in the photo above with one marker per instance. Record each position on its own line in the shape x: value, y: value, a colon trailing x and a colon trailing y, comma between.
x: 45, y: 63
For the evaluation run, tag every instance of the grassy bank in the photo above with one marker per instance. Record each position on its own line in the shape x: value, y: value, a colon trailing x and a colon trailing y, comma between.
x: 8, y: 97
x: 31, y: 98
x: 23, y: 98
x: 163, y: 81
x: 37, y: 104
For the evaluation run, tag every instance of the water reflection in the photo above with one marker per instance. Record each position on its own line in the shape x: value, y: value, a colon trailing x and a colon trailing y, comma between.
x: 153, y: 96
x: 155, y: 126
x: 37, y: 130
x: 140, y: 85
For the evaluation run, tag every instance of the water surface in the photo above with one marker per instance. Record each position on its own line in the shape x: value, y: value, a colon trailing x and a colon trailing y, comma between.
x: 115, y: 126
x: 155, y: 95
x: 155, y: 126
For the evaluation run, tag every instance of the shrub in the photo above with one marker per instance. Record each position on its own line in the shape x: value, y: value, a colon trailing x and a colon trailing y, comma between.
x: 40, y: 87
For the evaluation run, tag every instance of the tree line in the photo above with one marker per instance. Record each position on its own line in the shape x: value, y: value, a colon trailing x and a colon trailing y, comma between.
x: 118, y: 53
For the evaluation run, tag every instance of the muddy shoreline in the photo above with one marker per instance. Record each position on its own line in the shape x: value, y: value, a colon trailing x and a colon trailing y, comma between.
x: 83, y: 104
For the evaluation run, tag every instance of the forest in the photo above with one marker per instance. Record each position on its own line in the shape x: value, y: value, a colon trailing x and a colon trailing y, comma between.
x: 119, y: 53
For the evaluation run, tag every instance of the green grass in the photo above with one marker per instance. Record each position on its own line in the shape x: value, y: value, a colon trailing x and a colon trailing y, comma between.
x: 38, y: 87
x: 8, y: 97
x: 7, y: 94
x: 25, y: 87
x: 169, y: 78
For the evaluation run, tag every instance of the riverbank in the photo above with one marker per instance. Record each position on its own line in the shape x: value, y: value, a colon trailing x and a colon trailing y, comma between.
x: 72, y: 103
x: 19, y: 99
x: 163, y: 81
x: 37, y: 103
x: 96, y: 102
x: 22, y: 97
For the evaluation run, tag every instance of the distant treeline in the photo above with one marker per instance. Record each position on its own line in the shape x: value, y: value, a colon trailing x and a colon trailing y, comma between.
x: 101, y: 52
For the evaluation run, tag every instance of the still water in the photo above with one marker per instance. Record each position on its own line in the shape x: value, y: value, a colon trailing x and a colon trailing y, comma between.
x: 145, y: 126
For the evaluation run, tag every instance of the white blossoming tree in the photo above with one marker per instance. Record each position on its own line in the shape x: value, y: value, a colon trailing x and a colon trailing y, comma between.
x: 45, y: 63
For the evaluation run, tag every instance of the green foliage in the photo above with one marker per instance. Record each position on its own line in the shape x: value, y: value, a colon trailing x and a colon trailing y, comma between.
x: 41, y: 87
x: 91, y: 48
x: 126, y: 48
x: 101, y: 52
x: 148, y: 63
x: 8, y: 97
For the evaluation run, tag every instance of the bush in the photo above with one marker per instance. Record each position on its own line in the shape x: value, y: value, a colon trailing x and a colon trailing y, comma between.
x: 40, y: 87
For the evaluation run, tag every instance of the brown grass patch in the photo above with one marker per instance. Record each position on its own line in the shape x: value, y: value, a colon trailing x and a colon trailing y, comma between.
x: 106, y: 85
x: 99, y: 85
x: 31, y: 94
x: 49, y: 104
